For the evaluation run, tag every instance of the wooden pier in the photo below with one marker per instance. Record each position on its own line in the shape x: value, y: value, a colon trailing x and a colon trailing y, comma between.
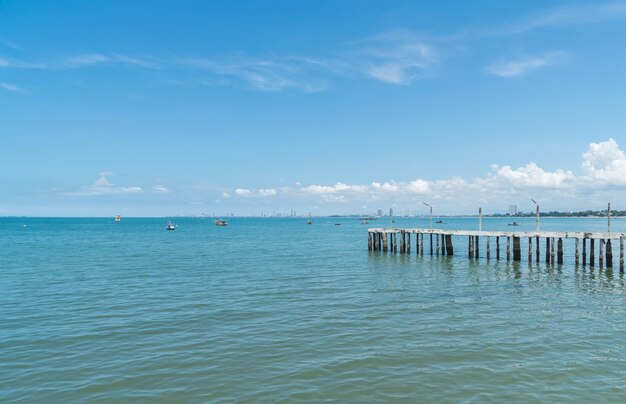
x: 440, y: 243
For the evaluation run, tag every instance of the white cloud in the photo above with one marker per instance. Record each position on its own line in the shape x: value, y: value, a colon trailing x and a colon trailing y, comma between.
x: 102, y: 186
x: 605, y: 162
x: 531, y: 176
x: 242, y: 191
x: 12, y: 88
x: 225, y: 195
x: 161, y: 189
x: 267, y: 192
x: 526, y: 65
x: 91, y: 59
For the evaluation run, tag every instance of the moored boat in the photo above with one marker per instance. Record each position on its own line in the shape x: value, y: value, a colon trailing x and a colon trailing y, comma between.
x: 221, y: 222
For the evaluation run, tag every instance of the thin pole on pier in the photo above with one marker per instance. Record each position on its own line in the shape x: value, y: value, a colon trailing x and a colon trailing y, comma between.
x: 552, y: 251
x: 584, y: 251
x: 608, y: 215
x: 488, y: 249
x: 480, y: 219
x: 560, y: 251
x: 530, y: 249
x: 470, y: 246
x: 547, y: 250
x: 576, y: 253
x: 609, y: 254
x: 621, y: 254
x: 537, y: 217
x: 431, y: 214
x: 390, y: 218
x: 498, y: 248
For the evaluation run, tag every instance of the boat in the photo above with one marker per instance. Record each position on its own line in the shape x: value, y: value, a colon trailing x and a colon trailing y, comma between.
x: 365, y: 222
x: 170, y: 226
x: 514, y: 224
x: 439, y: 221
x: 337, y: 224
x: 309, y: 222
x: 118, y: 218
x: 221, y: 222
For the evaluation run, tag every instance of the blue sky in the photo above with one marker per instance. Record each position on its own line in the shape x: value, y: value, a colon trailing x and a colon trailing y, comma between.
x: 157, y: 108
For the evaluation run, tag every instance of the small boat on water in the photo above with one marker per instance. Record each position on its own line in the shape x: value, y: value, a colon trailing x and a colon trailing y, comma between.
x: 337, y: 224
x: 170, y: 226
x: 514, y: 224
x: 221, y: 222
x: 118, y: 218
x: 309, y: 222
x: 365, y: 222
x: 439, y: 221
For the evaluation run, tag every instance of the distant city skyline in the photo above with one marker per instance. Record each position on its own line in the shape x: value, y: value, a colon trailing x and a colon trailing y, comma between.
x: 155, y: 108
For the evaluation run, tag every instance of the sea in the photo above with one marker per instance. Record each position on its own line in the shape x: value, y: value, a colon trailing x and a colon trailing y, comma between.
x: 275, y: 310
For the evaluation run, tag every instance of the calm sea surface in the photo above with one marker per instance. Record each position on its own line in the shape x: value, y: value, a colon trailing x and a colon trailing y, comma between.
x: 268, y: 310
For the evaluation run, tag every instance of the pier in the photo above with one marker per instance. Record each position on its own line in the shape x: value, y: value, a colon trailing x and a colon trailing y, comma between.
x: 440, y: 242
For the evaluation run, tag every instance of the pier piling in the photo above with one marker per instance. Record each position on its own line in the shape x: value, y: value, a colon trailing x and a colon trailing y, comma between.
x: 609, y: 254
x: 517, y: 253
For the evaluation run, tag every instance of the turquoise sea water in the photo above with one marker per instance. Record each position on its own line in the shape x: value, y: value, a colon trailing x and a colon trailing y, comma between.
x: 269, y: 310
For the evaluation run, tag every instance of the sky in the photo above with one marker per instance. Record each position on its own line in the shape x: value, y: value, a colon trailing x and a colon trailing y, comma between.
x: 155, y: 108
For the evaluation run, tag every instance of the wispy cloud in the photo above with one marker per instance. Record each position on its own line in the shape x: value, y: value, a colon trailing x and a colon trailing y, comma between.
x: 103, y: 186
x: 19, y: 64
x: 575, y: 14
x: 12, y: 88
x: 92, y: 59
x: 525, y: 65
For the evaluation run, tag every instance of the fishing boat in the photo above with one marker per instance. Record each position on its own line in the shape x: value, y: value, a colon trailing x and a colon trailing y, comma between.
x: 439, y: 221
x: 514, y: 224
x: 118, y: 218
x: 309, y: 222
x: 170, y: 226
x: 221, y: 222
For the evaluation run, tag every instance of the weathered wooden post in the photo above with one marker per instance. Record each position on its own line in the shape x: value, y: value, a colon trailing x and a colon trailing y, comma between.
x: 552, y: 251
x: 560, y: 251
x: 376, y: 242
x: 449, y: 246
x: 508, y: 248
x: 488, y: 249
x: 431, y: 244
x: 476, y: 245
x: 547, y: 250
x: 437, y: 241
x: 517, y: 253
x: 408, y: 243
x: 395, y: 242
x: 601, y: 254
x: 530, y: 249
x: 422, y: 244
x: 402, y: 242
x: 591, y: 252
x: 444, y: 248
x: 369, y: 241
x: 384, y: 241
x: 609, y: 254
x: 584, y: 251
x: 470, y: 247
x: 576, y: 257
x: 537, y: 248
x: 498, y: 248
x: 621, y: 254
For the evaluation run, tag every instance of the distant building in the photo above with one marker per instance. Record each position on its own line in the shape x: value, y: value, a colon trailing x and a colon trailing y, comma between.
x: 380, y: 212
x: 512, y: 210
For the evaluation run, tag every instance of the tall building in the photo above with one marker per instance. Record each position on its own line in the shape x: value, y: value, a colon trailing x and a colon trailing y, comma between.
x: 380, y: 212
x: 512, y: 210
